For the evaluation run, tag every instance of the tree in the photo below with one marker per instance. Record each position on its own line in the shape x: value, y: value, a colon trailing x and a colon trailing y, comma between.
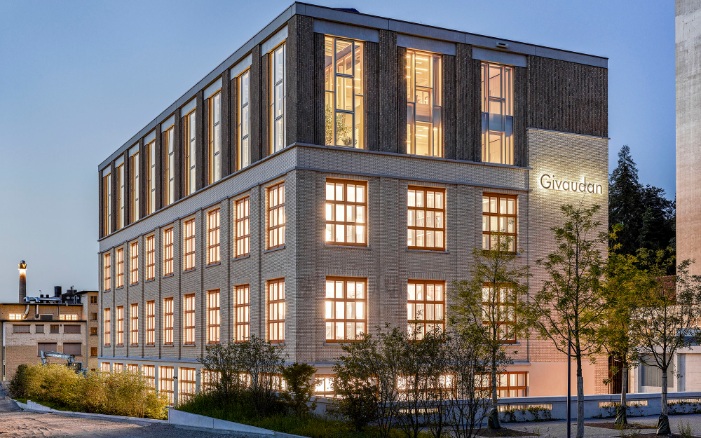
x: 300, y: 387
x: 657, y: 229
x: 625, y: 208
x: 667, y: 321
x: 489, y: 299
x: 568, y: 308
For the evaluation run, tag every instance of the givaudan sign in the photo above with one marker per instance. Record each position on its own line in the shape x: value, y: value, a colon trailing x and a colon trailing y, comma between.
x: 551, y: 182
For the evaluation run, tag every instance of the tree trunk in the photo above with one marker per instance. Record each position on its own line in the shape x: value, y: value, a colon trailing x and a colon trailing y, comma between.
x: 580, y: 397
x: 663, y: 422
x: 493, y: 419
x: 622, y: 411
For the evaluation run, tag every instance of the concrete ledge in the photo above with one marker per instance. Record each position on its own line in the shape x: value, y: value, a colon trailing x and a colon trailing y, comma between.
x: 36, y: 407
x: 180, y: 418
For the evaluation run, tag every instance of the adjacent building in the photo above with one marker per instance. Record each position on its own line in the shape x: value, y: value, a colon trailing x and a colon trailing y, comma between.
x: 335, y: 174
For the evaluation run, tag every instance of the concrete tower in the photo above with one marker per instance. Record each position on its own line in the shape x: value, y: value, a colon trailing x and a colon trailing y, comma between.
x: 22, y: 280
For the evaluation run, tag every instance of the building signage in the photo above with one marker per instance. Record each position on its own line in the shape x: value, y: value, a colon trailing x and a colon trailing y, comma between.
x: 551, y: 182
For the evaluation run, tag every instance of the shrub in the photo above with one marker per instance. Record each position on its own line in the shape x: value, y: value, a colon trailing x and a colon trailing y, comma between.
x: 18, y: 384
x: 300, y: 387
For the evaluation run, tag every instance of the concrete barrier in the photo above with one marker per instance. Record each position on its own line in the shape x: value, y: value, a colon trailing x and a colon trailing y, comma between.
x: 181, y: 418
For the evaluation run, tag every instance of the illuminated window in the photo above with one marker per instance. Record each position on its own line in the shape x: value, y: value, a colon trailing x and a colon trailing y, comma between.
x: 189, y: 245
x: 497, y: 114
x: 424, y: 80
x: 276, y: 216
x: 16, y: 316
x: 343, y: 85
x: 324, y: 385
x: 276, y: 311
x: 168, y: 321
x: 190, y: 151
x: 118, y: 367
x: 277, y: 99
x: 242, y: 227
x: 120, y: 268
x: 168, y: 251
x: 214, y: 135
x: 242, y: 312
x: 498, y: 310
x: 133, y: 368
x: 107, y: 327
x: 187, y: 384
x: 134, y: 262
x: 150, y: 257
x: 213, y: 237
x: 120, y: 326
x: 134, y: 188
x: 169, y: 166
x: 499, y: 222
x: 105, y: 367
x: 93, y: 330
x: 93, y: 351
x: 425, y: 307
x: 210, y: 380
x: 345, y: 308
x: 511, y: 384
x: 149, y: 372
x: 106, y: 202
x: 67, y: 317
x: 213, y: 317
x: 426, y: 218
x: 189, y: 319
x: 106, y: 271
x: 134, y: 324
x: 166, y: 383
x: 150, y: 322
x: 120, y: 195
x: 151, y: 177
x: 243, y: 139
x: 346, y: 212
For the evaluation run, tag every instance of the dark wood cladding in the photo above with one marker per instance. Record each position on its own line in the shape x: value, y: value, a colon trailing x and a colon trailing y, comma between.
x: 568, y: 97
x: 467, y: 112
x: 226, y: 147
x: 401, y: 100
x: 234, y: 122
x: 372, y: 102
x: 318, y: 92
x: 256, y: 104
x: 300, y: 76
x: 520, y: 109
x: 264, y: 114
x: 178, y: 155
x: 449, y: 105
x: 387, y: 82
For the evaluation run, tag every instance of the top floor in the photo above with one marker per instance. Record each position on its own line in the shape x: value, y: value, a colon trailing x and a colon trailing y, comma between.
x: 41, y: 312
x: 338, y: 78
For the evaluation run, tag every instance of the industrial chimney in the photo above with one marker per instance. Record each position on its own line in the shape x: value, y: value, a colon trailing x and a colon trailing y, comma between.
x: 22, y: 281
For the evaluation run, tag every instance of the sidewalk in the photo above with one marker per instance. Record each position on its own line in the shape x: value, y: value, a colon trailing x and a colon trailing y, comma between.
x: 558, y: 429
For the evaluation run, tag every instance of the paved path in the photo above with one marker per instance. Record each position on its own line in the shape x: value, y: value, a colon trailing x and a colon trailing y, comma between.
x: 559, y: 428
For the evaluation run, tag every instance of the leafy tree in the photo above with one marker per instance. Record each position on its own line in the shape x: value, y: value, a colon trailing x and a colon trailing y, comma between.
x: 657, y: 229
x: 568, y: 308
x: 300, y: 387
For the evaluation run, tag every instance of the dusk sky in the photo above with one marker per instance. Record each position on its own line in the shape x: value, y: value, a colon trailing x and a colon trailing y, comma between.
x: 79, y: 78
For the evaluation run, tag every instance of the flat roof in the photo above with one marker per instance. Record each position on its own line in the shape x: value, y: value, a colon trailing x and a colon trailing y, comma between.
x: 343, y: 16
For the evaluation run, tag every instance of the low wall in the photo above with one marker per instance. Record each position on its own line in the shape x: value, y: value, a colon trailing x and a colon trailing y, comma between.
x: 181, y: 418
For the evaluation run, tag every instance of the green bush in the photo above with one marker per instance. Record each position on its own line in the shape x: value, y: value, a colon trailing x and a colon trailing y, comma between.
x: 300, y: 387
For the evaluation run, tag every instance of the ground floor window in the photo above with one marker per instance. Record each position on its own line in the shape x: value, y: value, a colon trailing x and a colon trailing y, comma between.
x: 165, y: 383
x: 149, y: 372
x: 105, y: 367
x: 511, y: 384
x: 187, y: 382
x: 324, y: 385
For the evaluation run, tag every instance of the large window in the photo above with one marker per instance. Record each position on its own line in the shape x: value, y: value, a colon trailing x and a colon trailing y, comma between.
x: 169, y: 166
x: 213, y: 237
x: 189, y: 319
x: 276, y: 216
x: 106, y: 271
x: 150, y: 322
x: 166, y: 383
x: 106, y: 203
x: 513, y: 384
x: 107, y: 327
x: 134, y: 187
x: 424, y: 80
x: 497, y: 113
x: 498, y: 310
x: 167, y: 251
x: 151, y: 177
x: 345, y: 308
x: 187, y: 384
x: 189, y: 245
x: 243, y: 115
x: 168, y: 317
x: 119, y: 282
x: 242, y: 227
x: 190, y: 151
x: 120, y: 326
x: 213, y: 317
x: 242, y: 313
x: 344, y: 90
x: 121, y: 193
x: 134, y: 324
x: 425, y: 307
x: 277, y: 99
x: 149, y: 372
x: 150, y: 257
x: 346, y: 212
x: 426, y: 218
x: 276, y: 311
x: 499, y: 215
x: 134, y: 262
x: 214, y: 136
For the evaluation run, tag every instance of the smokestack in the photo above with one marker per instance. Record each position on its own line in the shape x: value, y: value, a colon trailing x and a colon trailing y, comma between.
x: 57, y: 291
x: 22, y: 281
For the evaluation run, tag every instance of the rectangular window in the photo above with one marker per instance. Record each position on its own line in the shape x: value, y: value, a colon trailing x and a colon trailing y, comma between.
x: 426, y: 218
x: 150, y: 257
x: 93, y: 299
x: 187, y: 384
x: 74, y: 348
x: 120, y: 268
x: 166, y: 383
x: 134, y: 262
x: 168, y: 321
x: 46, y: 347
x: 425, y: 307
x: 276, y: 311
x: 149, y: 372
x: 134, y: 188
x: 106, y: 204
x: 72, y: 329
x: 214, y: 136
x: 344, y: 90
x: 120, y: 196
x: 276, y: 216
x: 105, y: 367
x: 189, y: 319
x: 242, y: 313
x: 190, y: 154
x: 324, y: 386
x: 345, y: 308
x: 93, y: 331
x: 107, y: 327
x: 346, y: 212
x: 133, y: 368
x: 499, y: 213
x: 68, y: 317
x: 134, y: 324
x: 151, y: 177
x: 242, y: 227
x: 277, y: 99
x: 213, y: 317
x: 16, y: 328
x: 16, y: 316
x: 243, y: 139
x: 120, y: 326
x: 213, y: 237
x: 93, y: 351
x: 39, y: 328
x: 150, y: 322
x: 106, y: 271
x: 118, y: 368
x: 498, y: 305
x: 54, y: 329
x: 169, y: 166
x: 424, y: 80
x: 189, y: 245
x: 93, y: 316
x: 497, y: 114
x: 168, y: 251
x: 512, y: 384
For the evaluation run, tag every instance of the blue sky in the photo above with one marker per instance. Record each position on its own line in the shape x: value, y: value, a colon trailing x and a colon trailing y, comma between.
x: 78, y: 78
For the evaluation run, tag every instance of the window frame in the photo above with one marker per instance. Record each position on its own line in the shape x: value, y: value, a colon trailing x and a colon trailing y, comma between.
x: 187, y: 383
x: 279, y: 229
x: 134, y: 186
x: 277, y: 110
x: 213, y: 317
x: 501, y: 309
x: 242, y: 227
x: 134, y: 324
x: 120, y: 326
x: 189, y: 319
x: 242, y: 313
x: 333, y: 205
x: 119, y: 268
x: 150, y: 323
x: 415, y: 321
x: 487, y: 221
x: 150, y: 149
x: 426, y: 210
x: 213, y: 236
x: 134, y: 262
x: 504, y: 101
x: 121, y: 194
x: 243, y: 137
x: 107, y: 327
x: 150, y: 244
x: 166, y: 382
x: 190, y: 153
x: 107, y: 203
x: 214, y: 131
x: 168, y: 140
x: 189, y: 244
x: 331, y: 303
x: 168, y: 267
x: 275, y: 306
x: 107, y: 271
x: 168, y: 311
x: 435, y: 91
